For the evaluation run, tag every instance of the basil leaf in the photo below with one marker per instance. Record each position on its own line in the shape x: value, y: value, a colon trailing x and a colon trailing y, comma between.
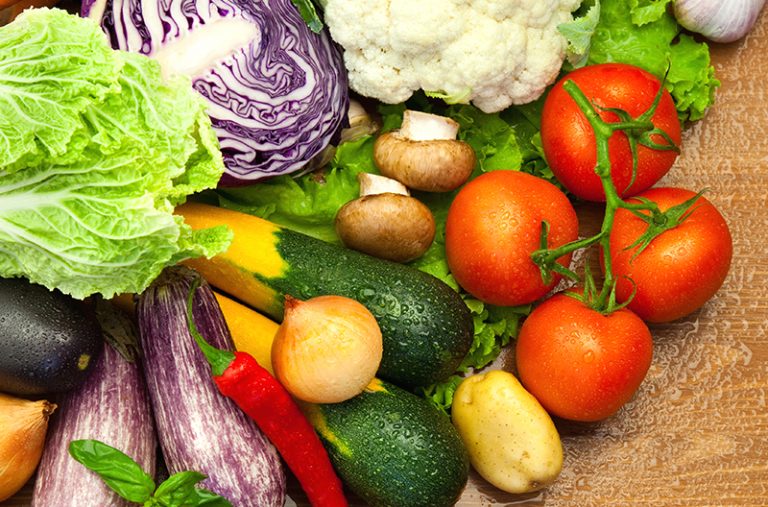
x: 179, y: 491
x: 118, y: 470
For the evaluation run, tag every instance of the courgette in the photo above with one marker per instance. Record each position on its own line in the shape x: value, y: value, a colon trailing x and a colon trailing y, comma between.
x: 392, y: 448
x: 426, y: 327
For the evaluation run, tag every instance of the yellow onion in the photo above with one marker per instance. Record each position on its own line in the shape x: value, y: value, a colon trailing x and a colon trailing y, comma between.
x: 327, y: 349
x: 23, y: 425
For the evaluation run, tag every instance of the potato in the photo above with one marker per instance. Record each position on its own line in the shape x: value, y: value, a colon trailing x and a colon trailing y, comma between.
x: 511, y: 440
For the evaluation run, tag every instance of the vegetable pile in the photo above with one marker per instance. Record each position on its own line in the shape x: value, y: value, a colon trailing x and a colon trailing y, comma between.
x: 339, y: 323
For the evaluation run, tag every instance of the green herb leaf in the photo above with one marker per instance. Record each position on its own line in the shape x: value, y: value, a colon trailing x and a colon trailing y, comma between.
x: 179, y: 491
x: 118, y: 470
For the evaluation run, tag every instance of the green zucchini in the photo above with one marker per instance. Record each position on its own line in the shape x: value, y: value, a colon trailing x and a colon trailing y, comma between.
x: 426, y: 327
x: 392, y: 448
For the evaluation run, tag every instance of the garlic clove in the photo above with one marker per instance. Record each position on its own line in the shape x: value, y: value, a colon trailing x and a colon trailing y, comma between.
x: 719, y: 21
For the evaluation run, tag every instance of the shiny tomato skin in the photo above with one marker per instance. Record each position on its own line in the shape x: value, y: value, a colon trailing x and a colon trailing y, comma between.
x: 493, y: 226
x: 569, y: 142
x: 582, y: 365
x: 681, y: 269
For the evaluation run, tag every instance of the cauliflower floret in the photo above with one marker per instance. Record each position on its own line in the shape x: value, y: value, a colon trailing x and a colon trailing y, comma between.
x: 494, y: 53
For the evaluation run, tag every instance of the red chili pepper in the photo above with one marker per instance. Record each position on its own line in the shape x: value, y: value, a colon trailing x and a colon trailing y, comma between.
x: 240, y: 377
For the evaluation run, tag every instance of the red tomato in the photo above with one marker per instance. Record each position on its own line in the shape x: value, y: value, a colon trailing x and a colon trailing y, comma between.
x: 582, y: 365
x: 680, y: 269
x: 493, y: 226
x: 569, y: 141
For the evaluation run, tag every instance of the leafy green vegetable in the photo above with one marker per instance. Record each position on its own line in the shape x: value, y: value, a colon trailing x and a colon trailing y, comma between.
x: 126, y: 478
x: 579, y: 34
x: 645, y: 33
x: 97, y: 151
x: 307, y: 204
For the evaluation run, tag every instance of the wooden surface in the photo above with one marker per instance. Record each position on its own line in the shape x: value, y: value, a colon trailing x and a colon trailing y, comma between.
x: 696, y: 434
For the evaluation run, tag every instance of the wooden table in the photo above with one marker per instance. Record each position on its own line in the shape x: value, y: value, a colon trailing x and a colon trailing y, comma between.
x: 696, y: 433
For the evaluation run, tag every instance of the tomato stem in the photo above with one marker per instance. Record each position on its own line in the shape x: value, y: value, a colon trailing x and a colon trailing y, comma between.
x: 638, y: 131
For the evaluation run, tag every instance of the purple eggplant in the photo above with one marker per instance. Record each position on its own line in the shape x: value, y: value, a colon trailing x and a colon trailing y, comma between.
x: 198, y: 428
x: 112, y: 405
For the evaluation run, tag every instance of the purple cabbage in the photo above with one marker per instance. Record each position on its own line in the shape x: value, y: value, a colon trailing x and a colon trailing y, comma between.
x: 277, y: 92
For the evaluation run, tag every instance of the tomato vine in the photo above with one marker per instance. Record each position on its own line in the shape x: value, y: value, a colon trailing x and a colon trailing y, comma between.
x: 639, y: 130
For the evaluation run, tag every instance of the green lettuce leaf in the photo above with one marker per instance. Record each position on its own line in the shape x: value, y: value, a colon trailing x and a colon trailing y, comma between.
x: 579, y: 34
x: 644, y: 33
x: 87, y: 196
x: 307, y: 204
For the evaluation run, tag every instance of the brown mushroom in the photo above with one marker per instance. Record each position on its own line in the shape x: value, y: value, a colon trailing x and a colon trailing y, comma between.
x: 390, y: 225
x: 425, y: 154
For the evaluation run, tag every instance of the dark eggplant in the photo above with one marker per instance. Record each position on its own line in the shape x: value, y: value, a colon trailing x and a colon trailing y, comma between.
x: 48, y: 340
x: 198, y: 428
x: 111, y: 406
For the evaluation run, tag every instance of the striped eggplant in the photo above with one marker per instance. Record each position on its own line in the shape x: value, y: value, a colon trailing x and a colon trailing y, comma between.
x: 198, y: 428
x: 112, y: 405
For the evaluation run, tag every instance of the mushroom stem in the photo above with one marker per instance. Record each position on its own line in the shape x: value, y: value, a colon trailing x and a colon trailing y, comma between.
x: 372, y: 184
x: 420, y: 126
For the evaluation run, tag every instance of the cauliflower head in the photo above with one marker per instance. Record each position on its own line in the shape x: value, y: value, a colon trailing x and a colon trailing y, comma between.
x: 494, y: 53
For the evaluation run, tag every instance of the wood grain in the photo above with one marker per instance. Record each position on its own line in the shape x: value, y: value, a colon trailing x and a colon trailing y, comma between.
x: 696, y: 434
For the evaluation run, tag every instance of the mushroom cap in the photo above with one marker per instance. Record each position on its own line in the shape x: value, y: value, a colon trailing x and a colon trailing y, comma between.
x: 432, y: 166
x: 389, y: 226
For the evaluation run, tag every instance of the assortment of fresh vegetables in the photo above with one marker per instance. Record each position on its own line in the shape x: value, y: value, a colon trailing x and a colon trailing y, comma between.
x: 239, y: 377
x: 101, y: 148
x: 275, y: 91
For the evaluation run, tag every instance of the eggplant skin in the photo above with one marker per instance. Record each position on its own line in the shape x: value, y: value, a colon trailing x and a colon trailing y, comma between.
x: 198, y: 427
x: 112, y: 406
x: 48, y: 341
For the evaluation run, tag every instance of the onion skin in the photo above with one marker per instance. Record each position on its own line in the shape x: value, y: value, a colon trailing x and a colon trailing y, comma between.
x: 327, y: 349
x: 23, y: 426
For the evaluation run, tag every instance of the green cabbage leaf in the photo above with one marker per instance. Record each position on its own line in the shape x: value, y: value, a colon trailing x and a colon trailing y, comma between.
x: 96, y: 150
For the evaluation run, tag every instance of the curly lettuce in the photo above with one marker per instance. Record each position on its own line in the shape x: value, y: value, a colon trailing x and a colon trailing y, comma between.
x: 645, y: 33
x: 96, y: 150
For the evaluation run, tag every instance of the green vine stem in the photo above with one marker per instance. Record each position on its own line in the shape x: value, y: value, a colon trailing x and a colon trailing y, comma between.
x: 638, y: 130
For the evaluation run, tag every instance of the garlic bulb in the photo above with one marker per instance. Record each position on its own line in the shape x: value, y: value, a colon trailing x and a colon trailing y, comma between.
x: 718, y: 20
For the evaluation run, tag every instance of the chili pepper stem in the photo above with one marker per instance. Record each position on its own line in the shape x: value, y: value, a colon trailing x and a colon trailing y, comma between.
x: 218, y: 359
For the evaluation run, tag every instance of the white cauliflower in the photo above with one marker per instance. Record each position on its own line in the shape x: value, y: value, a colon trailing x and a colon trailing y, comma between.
x: 494, y: 53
